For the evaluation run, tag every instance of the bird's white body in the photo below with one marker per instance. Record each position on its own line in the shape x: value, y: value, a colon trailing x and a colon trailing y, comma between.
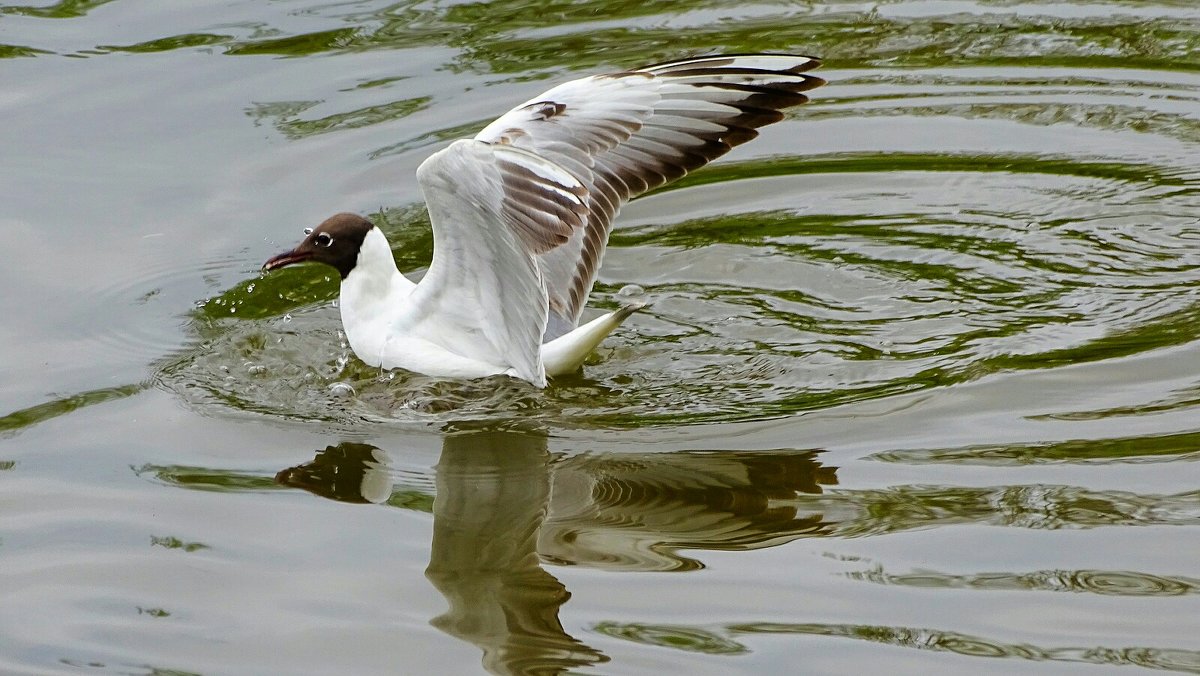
x: 380, y: 319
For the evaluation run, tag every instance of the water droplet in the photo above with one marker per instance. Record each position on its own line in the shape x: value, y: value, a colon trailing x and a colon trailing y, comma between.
x: 250, y: 287
x: 256, y: 369
x: 341, y: 390
x: 631, y: 290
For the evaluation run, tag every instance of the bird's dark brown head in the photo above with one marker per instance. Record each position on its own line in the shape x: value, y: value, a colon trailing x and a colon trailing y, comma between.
x: 334, y: 242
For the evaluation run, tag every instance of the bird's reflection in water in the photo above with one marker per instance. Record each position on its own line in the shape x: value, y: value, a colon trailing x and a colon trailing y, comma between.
x: 636, y: 512
x: 505, y: 505
x: 492, y: 493
x: 348, y: 472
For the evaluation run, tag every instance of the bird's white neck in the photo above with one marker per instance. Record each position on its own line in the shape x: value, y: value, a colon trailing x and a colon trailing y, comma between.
x: 371, y: 295
x: 375, y: 271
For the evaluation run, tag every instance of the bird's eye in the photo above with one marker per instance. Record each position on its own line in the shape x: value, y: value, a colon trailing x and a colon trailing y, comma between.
x: 324, y: 240
x: 308, y: 231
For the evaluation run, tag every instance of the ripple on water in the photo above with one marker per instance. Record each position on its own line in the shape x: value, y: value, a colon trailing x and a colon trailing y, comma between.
x: 144, y: 336
x: 721, y: 639
x: 756, y: 314
x: 1100, y: 582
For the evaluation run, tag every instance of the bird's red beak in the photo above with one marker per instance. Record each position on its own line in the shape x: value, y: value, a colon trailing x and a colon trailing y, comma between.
x: 286, y: 258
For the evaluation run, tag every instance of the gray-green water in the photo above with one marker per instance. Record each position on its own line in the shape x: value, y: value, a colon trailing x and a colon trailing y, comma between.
x: 919, y: 390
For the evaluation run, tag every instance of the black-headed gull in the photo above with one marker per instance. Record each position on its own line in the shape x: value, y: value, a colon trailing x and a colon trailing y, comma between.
x: 521, y: 215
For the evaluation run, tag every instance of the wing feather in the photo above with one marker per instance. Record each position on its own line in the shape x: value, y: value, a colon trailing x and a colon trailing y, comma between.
x: 522, y: 213
x: 625, y: 133
x: 493, y: 209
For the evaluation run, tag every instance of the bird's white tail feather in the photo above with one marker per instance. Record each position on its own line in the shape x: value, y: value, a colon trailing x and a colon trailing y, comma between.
x: 566, y: 353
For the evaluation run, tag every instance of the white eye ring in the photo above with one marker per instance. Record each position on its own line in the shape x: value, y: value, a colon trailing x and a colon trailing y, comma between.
x: 308, y: 231
x: 324, y: 240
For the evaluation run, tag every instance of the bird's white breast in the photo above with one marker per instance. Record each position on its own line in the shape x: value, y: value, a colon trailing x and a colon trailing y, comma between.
x: 384, y: 325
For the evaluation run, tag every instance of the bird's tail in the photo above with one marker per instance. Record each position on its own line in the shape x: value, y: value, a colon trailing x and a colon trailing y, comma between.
x: 566, y: 353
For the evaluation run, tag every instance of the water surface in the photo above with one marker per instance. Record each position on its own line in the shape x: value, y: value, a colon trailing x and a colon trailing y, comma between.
x: 919, y: 388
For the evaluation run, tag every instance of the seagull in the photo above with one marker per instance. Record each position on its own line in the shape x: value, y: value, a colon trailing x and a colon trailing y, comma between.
x: 521, y: 214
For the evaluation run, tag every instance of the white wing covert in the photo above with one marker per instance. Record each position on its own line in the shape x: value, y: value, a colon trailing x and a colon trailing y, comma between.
x: 484, y: 295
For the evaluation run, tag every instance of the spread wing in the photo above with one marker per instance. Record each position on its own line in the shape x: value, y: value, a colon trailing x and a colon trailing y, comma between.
x: 493, y: 208
x: 521, y: 214
x: 625, y: 133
